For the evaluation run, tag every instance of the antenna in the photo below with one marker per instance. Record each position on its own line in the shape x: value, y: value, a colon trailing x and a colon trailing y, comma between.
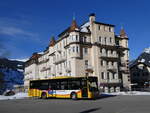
x: 121, y: 24
x: 74, y: 16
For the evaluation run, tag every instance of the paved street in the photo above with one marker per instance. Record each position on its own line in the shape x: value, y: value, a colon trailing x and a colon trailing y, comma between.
x: 117, y: 104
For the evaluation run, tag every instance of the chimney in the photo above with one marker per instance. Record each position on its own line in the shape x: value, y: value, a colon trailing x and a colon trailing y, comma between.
x: 92, y: 17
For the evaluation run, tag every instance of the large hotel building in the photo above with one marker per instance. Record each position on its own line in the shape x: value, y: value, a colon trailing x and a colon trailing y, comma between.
x: 92, y: 49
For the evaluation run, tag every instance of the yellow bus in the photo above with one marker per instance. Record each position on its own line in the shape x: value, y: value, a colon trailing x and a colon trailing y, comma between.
x: 64, y: 87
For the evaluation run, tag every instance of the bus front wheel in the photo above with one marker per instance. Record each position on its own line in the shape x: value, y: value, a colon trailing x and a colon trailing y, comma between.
x: 73, y: 96
x: 43, y: 95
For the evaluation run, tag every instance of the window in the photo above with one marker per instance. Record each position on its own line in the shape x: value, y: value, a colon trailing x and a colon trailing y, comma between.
x: 113, y: 76
x: 77, y: 49
x: 85, y: 50
x: 105, y: 28
x: 100, y: 50
x: 99, y: 38
x: 84, y: 39
x: 106, y: 52
x: 69, y: 64
x: 102, y: 75
x: 74, y: 84
x: 111, y: 51
x: 61, y: 66
x: 64, y: 64
x: 64, y: 85
x: 107, y: 63
x: 76, y: 37
x: 69, y: 51
x: 117, y: 42
x: 64, y: 54
x: 73, y: 48
x: 109, y: 29
x: 86, y: 62
x: 110, y: 40
x: 108, y: 75
x: 99, y: 27
x: 113, y: 63
x: 102, y: 63
x: 105, y: 40
x: 63, y: 42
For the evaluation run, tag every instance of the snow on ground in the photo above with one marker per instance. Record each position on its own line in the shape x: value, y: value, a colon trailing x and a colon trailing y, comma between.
x: 16, y: 96
x: 128, y: 93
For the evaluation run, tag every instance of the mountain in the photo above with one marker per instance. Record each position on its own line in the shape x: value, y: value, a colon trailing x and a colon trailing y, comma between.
x: 144, y: 58
x: 11, y: 73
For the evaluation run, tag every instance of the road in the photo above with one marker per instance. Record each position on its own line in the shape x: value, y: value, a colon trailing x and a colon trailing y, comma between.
x: 117, y: 104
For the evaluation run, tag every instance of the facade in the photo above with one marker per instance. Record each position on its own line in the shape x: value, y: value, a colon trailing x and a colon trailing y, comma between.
x: 92, y: 49
x: 140, y: 71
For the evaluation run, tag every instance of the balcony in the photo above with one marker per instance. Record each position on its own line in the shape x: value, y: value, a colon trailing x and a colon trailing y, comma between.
x: 60, y: 60
x: 113, y: 81
x: 112, y: 69
x: 109, y: 57
x: 45, y: 69
x: 124, y: 70
x: 59, y: 71
x: 68, y: 69
x: 43, y: 61
x: 89, y: 68
x: 58, y: 50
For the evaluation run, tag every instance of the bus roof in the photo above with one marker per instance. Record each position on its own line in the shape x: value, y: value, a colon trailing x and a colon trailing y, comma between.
x: 61, y: 77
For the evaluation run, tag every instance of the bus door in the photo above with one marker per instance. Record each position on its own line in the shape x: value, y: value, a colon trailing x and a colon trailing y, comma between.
x: 84, y: 88
x: 52, y: 89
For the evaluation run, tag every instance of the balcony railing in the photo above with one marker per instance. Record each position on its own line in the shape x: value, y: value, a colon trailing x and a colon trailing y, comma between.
x: 123, y: 68
x: 59, y: 60
x: 112, y: 69
x: 68, y: 69
x: 89, y: 68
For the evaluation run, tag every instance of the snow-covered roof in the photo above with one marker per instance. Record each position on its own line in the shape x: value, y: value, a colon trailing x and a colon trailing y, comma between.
x: 40, y: 53
x: 147, y: 50
x: 143, y: 58
x: 84, y: 27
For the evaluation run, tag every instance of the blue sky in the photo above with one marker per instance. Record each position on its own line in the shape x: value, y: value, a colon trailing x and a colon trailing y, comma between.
x: 27, y: 25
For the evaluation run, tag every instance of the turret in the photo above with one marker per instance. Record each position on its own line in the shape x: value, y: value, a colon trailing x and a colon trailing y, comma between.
x: 123, y: 33
x: 92, y: 17
x: 73, y: 26
x: 52, y: 41
x: 124, y: 38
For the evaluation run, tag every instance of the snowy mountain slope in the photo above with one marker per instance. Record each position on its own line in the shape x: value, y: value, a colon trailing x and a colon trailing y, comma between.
x: 11, y: 73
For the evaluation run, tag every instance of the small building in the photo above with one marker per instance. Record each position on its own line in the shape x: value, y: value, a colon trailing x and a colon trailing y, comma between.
x: 140, y: 71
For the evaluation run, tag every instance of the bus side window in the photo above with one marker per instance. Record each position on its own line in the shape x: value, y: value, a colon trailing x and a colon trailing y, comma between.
x: 44, y: 85
x: 75, y: 85
x: 64, y: 85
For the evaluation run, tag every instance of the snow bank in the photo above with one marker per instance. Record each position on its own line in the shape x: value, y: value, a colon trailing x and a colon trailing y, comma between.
x: 128, y: 93
x: 16, y: 96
